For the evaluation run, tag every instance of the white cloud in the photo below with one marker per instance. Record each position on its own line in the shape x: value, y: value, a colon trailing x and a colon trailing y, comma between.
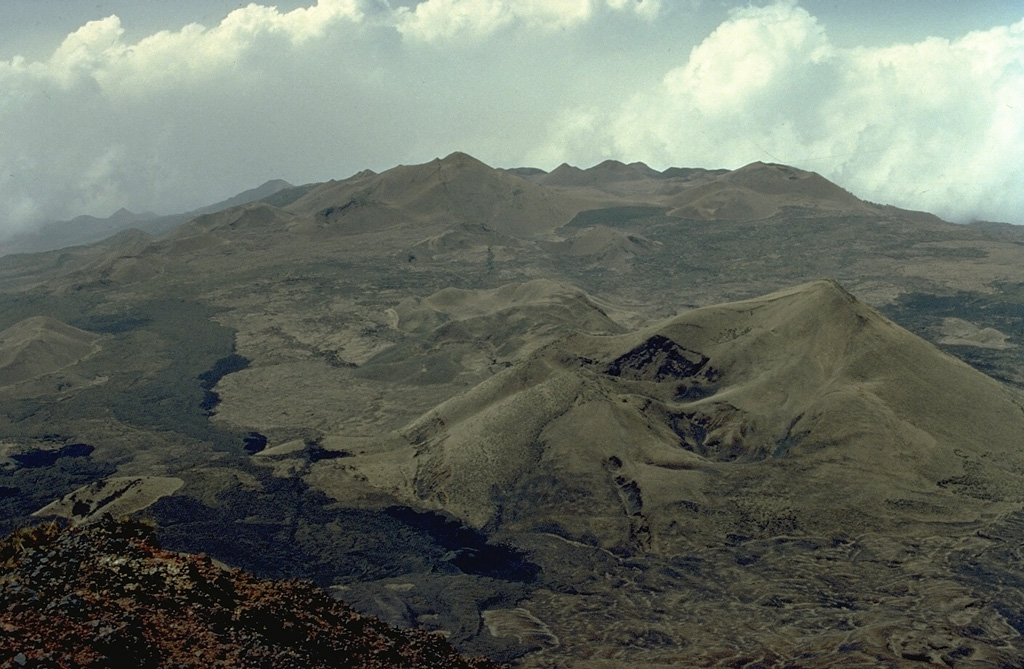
x: 103, y: 123
x: 167, y: 59
x: 647, y: 9
x: 936, y: 124
x: 442, y: 20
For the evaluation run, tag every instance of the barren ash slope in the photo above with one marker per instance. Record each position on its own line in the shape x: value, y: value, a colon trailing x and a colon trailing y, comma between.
x: 580, y: 417
x: 807, y: 393
x: 797, y: 455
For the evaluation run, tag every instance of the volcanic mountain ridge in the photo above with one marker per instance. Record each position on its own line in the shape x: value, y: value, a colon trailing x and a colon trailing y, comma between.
x: 556, y: 418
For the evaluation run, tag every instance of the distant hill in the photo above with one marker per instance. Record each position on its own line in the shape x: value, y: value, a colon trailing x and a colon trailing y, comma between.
x: 759, y: 191
x: 88, y: 229
x: 261, y: 192
x: 457, y: 188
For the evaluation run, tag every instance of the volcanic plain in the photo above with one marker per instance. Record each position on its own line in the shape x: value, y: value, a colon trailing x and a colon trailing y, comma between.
x: 580, y: 417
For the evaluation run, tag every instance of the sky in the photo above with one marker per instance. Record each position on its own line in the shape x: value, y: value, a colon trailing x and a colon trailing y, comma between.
x: 167, y: 106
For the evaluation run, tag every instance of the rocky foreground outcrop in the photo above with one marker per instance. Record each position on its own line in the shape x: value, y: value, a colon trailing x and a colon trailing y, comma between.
x: 106, y: 595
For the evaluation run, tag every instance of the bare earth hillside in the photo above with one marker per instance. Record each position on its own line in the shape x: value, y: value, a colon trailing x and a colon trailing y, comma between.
x: 591, y: 417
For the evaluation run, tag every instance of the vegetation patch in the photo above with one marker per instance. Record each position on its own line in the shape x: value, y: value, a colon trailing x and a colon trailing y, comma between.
x: 47, y: 458
x: 615, y: 216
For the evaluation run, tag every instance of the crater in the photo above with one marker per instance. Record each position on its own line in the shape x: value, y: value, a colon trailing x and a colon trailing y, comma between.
x: 660, y: 359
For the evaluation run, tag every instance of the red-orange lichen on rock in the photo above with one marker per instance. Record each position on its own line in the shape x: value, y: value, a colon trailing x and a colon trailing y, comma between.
x: 107, y: 595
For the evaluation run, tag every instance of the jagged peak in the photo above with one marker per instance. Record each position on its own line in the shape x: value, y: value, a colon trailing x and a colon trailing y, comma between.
x: 778, y: 170
x: 460, y: 159
x: 610, y: 163
x: 777, y: 177
x: 274, y: 183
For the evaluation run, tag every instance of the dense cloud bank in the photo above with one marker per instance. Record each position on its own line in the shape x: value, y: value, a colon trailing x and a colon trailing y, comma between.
x: 182, y: 118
